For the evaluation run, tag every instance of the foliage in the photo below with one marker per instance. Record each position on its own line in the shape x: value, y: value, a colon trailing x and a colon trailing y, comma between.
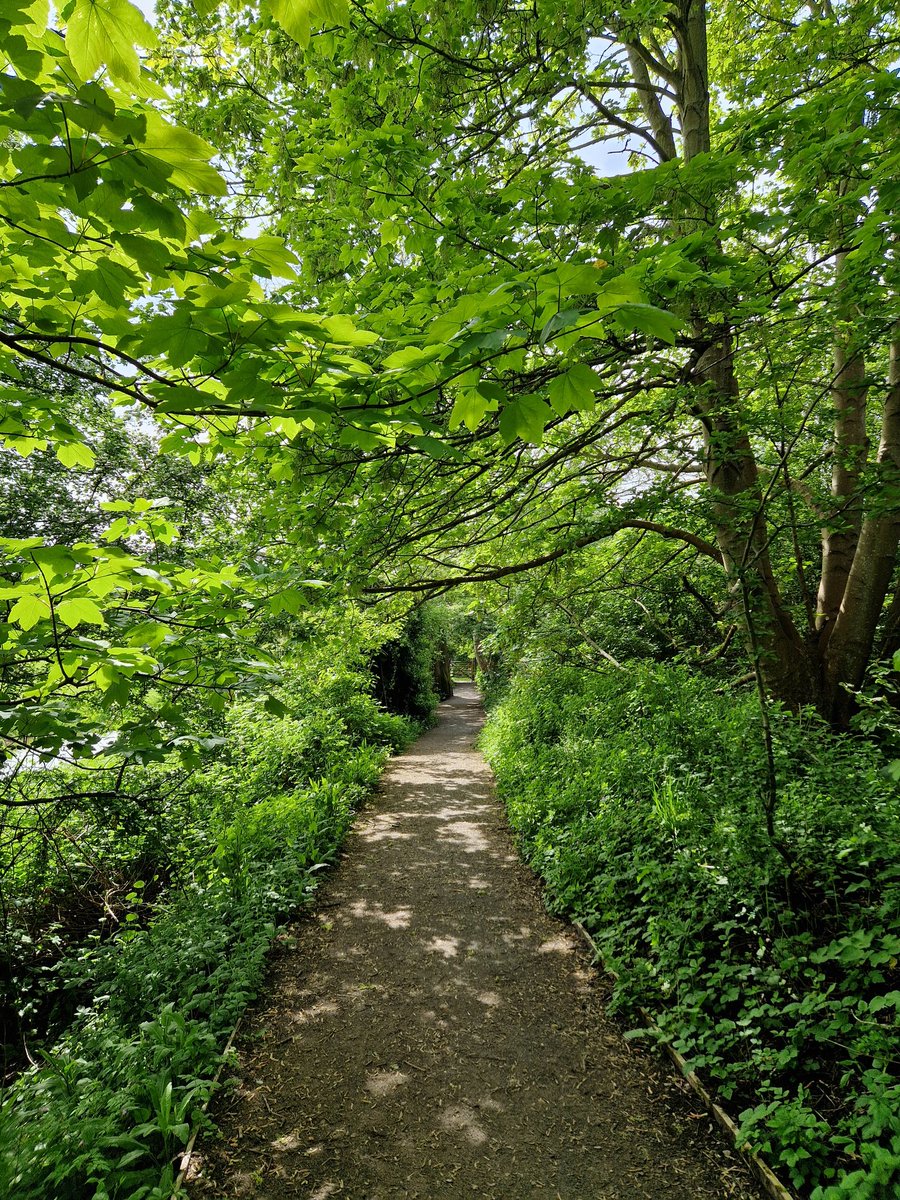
x: 408, y: 325
x: 472, y: 353
x: 584, y: 347
x: 196, y: 873
x: 117, y: 283
x: 405, y: 667
x: 771, y: 967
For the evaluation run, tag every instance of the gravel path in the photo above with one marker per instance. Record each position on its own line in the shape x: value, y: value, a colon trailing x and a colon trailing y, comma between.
x: 431, y: 1032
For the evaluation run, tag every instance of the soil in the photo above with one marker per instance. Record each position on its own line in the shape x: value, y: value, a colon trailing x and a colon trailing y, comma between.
x: 432, y: 1032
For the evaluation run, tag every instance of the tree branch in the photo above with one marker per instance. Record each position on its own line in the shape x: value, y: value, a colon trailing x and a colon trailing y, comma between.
x: 491, y: 574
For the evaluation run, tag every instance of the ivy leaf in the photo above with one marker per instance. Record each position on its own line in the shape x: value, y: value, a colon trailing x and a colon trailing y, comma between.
x: 104, y: 33
x: 80, y: 611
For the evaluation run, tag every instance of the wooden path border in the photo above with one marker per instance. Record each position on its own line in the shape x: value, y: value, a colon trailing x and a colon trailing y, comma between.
x: 764, y: 1174
x: 188, y: 1152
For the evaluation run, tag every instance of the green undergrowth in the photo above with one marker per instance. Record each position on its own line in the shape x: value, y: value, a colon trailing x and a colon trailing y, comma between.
x: 130, y: 1009
x: 772, y: 967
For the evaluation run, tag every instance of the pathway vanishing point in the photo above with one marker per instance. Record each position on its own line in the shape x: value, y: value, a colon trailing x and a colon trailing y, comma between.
x: 432, y: 1033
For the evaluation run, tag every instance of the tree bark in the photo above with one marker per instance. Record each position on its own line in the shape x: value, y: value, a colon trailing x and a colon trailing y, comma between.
x: 660, y: 123
x: 851, y: 444
x: 693, y: 70
x: 782, y: 656
x: 869, y: 578
x: 741, y: 532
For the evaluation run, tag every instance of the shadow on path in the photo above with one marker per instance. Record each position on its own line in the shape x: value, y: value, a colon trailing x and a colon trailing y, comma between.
x: 433, y: 1033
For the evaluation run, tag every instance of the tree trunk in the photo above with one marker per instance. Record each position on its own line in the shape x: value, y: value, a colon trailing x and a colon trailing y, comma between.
x: 850, y: 646
x: 731, y: 471
x: 443, y: 673
x: 738, y: 511
x: 851, y: 445
x: 657, y: 118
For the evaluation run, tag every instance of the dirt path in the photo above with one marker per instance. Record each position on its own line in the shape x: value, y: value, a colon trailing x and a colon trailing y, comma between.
x: 433, y: 1033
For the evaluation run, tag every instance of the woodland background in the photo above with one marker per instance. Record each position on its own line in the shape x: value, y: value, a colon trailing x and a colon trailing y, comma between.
x: 339, y: 338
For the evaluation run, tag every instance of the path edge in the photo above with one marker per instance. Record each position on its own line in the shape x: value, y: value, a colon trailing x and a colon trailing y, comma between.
x: 761, y: 1170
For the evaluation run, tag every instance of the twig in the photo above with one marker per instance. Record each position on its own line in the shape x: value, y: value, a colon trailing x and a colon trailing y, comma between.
x: 189, y: 1148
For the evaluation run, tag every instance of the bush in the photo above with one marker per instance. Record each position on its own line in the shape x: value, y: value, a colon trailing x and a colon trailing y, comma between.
x: 404, y: 667
x: 772, y: 967
x: 207, y: 875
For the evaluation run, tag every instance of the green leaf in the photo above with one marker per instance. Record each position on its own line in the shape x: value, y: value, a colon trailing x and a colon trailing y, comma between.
x: 469, y: 408
x: 185, y: 154
x: 352, y: 435
x: 557, y: 322
x: 104, y: 33
x: 411, y: 357
x: 525, y: 417
x: 27, y: 611
x: 435, y: 448
x: 645, y: 318
x: 294, y: 18
x: 184, y: 399
x: 573, y: 391
x: 109, y: 280
x: 118, y: 528
x: 272, y: 253
x: 298, y: 18
x: 291, y: 600
x: 574, y: 279
x: 79, y: 611
x: 344, y: 332
x: 75, y: 454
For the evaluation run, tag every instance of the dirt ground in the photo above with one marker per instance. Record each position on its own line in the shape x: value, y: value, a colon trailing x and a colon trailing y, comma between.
x: 431, y: 1032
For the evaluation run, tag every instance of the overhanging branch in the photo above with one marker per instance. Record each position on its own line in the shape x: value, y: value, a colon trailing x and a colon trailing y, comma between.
x: 490, y: 574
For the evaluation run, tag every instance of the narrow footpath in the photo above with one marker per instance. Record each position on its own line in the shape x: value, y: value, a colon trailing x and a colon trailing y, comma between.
x: 431, y: 1032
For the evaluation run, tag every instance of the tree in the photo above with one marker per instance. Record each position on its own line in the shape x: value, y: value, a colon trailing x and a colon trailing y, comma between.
x: 115, y: 288
x: 536, y: 355
x: 698, y: 322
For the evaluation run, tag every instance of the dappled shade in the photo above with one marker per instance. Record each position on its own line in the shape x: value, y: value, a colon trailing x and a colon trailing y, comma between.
x: 432, y: 1032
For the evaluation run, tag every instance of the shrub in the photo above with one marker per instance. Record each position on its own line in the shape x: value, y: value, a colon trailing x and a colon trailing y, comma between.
x: 207, y: 874
x: 773, y: 967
